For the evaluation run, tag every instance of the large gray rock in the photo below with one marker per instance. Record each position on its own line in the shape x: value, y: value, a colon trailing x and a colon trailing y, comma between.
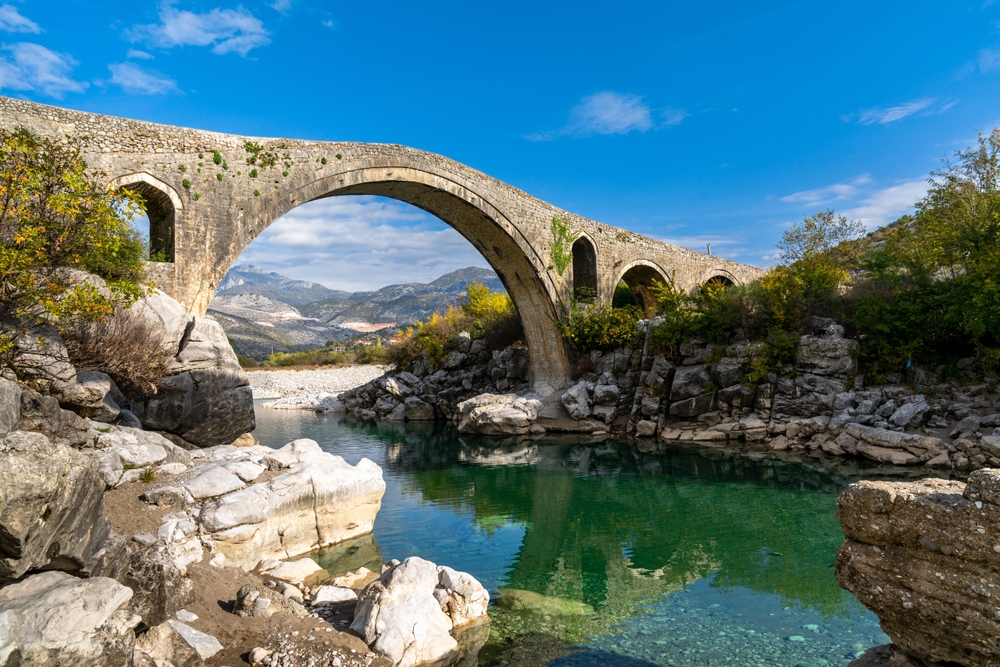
x: 924, y: 557
x: 53, y: 619
x: 728, y: 372
x: 689, y: 381
x: 910, y: 415
x: 830, y: 354
x: 10, y: 406
x: 417, y: 410
x: 159, y: 589
x: 44, y: 415
x: 577, y: 400
x: 51, y: 508
x: 91, y: 396
x: 693, y: 407
x: 889, y: 446
x: 408, y: 613
x: 497, y: 414
x: 205, y: 398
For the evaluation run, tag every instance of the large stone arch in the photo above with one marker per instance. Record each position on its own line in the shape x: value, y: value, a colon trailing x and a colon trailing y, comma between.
x: 639, y: 276
x: 497, y: 238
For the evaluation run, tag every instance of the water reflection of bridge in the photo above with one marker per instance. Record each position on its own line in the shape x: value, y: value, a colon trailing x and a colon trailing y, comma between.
x: 616, y: 528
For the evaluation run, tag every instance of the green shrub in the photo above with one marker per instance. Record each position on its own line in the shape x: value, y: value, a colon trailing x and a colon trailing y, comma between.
x: 216, y: 157
x: 486, y: 315
x: 601, y: 328
x: 57, y: 214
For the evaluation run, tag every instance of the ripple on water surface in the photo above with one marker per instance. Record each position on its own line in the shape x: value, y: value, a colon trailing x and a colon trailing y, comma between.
x: 603, y: 554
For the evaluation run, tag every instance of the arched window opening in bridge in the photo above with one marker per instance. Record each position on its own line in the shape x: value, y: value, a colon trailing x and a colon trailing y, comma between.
x: 640, y: 279
x: 719, y: 282
x: 584, y: 270
x: 158, y: 223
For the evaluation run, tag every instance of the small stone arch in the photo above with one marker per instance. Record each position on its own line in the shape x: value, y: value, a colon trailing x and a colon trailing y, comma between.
x: 639, y: 276
x: 161, y: 203
x: 719, y: 276
x: 584, y: 268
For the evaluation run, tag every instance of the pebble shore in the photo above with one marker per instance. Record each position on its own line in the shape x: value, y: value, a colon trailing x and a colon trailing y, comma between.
x: 308, y: 384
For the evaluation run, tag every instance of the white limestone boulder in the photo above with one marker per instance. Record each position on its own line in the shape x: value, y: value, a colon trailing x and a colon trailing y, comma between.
x: 317, y: 500
x: 498, y: 414
x: 408, y: 613
x: 54, y: 619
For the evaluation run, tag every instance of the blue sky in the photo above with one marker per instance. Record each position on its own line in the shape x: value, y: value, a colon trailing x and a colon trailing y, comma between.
x: 691, y: 122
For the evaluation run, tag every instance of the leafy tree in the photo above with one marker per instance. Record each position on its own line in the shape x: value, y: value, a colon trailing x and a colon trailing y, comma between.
x: 54, y: 217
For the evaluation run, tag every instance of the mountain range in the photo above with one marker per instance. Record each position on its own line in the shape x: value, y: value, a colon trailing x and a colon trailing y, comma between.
x: 264, y: 312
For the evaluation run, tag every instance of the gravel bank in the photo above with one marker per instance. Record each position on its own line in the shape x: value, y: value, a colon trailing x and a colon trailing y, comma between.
x: 290, y: 383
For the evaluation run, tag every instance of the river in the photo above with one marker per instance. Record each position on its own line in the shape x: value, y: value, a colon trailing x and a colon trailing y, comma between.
x: 606, y: 554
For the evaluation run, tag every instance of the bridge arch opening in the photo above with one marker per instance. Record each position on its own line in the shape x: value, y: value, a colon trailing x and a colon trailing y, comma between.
x: 507, y: 252
x: 160, y: 203
x: 584, y: 269
x: 719, y: 282
x: 639, y: 277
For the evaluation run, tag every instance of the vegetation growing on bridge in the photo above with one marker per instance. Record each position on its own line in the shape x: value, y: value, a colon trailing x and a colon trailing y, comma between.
x: 561, y: 254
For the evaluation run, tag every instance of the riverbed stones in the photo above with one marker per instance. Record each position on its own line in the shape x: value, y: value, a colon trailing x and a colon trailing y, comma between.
x: 161, y: 645
x: 401, y: 615
x: 923, y: 556
x: 55, y: 619
x: 159, y: 589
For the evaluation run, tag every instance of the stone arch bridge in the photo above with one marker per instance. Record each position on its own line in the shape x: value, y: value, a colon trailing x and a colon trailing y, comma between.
x: 209, y: 195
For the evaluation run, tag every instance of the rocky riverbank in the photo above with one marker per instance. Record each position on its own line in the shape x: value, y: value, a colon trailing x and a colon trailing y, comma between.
x: 188, y: 545
x: 817, y: 404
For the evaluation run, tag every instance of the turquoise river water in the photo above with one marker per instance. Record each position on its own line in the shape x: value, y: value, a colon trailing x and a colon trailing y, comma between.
x: 602, y: 554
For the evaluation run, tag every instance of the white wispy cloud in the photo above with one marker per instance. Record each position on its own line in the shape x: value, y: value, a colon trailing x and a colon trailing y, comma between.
x: 885, y: 115
x: 883, y: 206
x: 34, y: 67
x: 608, y: 112
x: 989, y: 60
x: 281, y: 5
x: 360, y: 243
x: 225, y: 30
x: 135, y: 79
x: 829, y: 193
x: 138, y: 55
x: 11, y: 20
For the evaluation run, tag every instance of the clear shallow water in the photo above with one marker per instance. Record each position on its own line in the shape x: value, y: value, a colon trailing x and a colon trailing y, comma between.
x: 606, y: 555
